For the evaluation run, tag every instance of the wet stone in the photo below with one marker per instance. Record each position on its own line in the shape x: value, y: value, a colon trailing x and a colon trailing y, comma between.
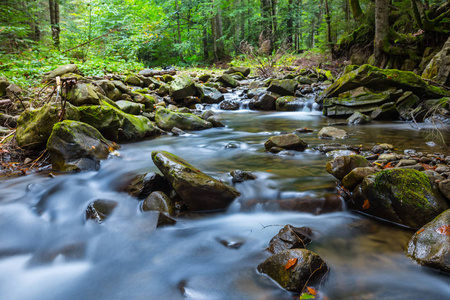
x: 159, y: 201
x: 290, y: 237
x: 99, y: 210
x: 241, y: 176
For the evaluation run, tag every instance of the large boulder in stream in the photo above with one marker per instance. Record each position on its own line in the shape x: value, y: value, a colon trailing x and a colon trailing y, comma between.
x: 228, y: 81
x: 34, y: 126
x: 76, y: 146
x: 403, y: 196
x: 209, y: 95
x: 199, y: 191
x: 167, y: 120
x: 286, y: 141
x: 430, y: 246
x: 290, y: 237
x: 243, y: 70
x: 305, y: 267
x: 265, y: 101
x: 182, y: 87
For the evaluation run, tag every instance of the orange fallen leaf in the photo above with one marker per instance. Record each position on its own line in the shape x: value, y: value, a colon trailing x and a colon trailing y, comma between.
x: 428, y: 167
x: 420, y: 231
x: 445, y: 230
x: 312, y: 291
x: 389, y: 165
x: 366, y: 204
x: 93, y: 147
x: 291, y: 262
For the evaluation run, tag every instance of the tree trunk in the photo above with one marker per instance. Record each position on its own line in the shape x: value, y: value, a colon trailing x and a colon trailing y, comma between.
x: 356, y: 10
x: 290, y: 22
x: 177, y: 8
x: 381, y: 31
x: 216, y: 28
x: 205, y: 43
x: 328, y: 21
x: 54, y: 21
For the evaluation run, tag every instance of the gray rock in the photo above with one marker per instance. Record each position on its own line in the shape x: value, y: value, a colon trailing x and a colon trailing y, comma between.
x: 83, y: 94
x: 444, y: 188
x: 243, y: 70
x: 70, y: 68
x: 130, y: 107
x: 284, y: 87
x: 134, y: 80
x: 100, y: 210
x: 265, y: 101
x: 3, y: 84
x: 359, y: 119
x: 228, y: 81
x: 182, y: 87
x: 439, y: 67
x: 229, y: 105
x: 241, y: 176
x: 159, y: 201
x: 167, y: 120
x: 290, y: 237
x: 356, y: 176
x: 209, y: 95
x: 340, y: 166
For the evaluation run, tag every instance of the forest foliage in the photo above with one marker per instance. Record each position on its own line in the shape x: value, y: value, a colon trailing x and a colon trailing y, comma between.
x: 120, y: 35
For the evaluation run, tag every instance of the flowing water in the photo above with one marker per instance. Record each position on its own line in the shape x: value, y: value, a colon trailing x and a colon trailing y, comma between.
x: 49, y: 251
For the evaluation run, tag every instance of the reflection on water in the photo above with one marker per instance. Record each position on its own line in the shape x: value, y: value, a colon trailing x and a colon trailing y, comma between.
x: 49, y: 251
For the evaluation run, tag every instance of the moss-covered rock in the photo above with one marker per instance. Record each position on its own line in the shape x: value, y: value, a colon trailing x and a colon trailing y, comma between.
x: 111, y: 91
x: 286, y: 141
x: 284, y: 87
x: 167, y: 120
x: 289, y: 103
x: 35, y: 126
x: 199, y: 191
x: 356, y: 176
x: 358, y: 119
x: 381, y: 80
x: 130, y: 107
x: 182, y: 87
x: 340, y: 166
x: 309, y: 268
x: 439, y: 67
x: 228, y: 81
x: 265, y: 101
x: 148, y: 101
x: 243, y: 70
x: 83, y: 94
x: 102, y: 117
x: 403, y: 196
x: 76, y: 146
x: 430, y: 246
x: 209, y: 95
x: 134, y: 80
x: 3, y: 85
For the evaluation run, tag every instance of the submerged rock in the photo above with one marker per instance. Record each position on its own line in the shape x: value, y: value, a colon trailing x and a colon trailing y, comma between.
x: 309, y: 268
x: 100, y: 210
x: 430, y: 246
x: 198, y: 190
x: 290, y: 237
x: 167, y: 120
x: 286, y: 141
x: 403, y: 196
x: 76, y: 146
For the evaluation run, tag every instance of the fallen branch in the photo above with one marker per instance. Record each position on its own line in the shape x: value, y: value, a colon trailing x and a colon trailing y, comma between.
x: 91, y: 40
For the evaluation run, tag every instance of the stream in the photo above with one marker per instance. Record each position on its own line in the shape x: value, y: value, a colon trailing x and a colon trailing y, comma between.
x: 49, y: 251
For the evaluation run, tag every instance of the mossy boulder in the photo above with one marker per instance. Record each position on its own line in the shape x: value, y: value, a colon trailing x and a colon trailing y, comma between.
x: 111, y: 91
x: 61, y: 70
x: 285, y: 87
x: 167, y: 120
x: 136, y: 128
x: 340, y: 166
x: 228, y: 80
x: 83, y: 94
x: 199, y: 191
x: 359, y: 118
x: 182, y: 87
x: 130, y: 107
x: 102, y: 117
x: 286, y: 141
x: 403, y: 196
x: 381, y: 80
x: 430, y: 246
x: 309, y: 268
x: 148, y: 101
x: 209, y: 95
x: 76, y: 146
x: 3, y: 85
x: 35, y: 126
x: 356, y: 176
x: 438, y: 68
x: 134, y: 80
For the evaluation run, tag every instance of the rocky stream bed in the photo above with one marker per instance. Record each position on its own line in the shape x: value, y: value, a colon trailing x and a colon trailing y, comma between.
x: 226, y: 186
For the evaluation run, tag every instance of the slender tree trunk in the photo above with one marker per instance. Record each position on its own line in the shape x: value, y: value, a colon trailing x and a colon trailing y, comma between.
x: 328, y: 21
x: 177, y: 8
x: 290, y: 22
x: 216, y: 28
x: 381, y: 30
x: 54, y: 21
x: 205, y: 43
